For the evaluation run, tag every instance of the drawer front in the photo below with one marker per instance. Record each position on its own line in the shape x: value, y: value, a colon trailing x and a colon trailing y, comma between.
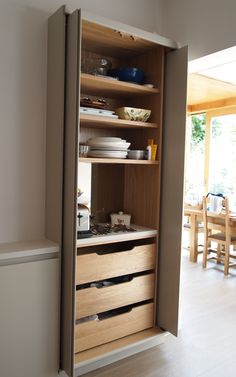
x: 93, y: 267
x: 94, y: 300
x: 95, y: 333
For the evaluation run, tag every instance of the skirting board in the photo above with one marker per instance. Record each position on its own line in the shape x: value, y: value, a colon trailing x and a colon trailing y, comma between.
x: 120, y: 353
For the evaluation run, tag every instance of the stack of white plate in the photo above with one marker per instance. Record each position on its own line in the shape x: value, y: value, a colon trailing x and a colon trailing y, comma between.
x: 108, y: 147
x: 94, y: 111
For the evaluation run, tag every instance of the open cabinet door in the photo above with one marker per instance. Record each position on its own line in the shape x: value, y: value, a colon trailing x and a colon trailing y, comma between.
x: 70, y: 190
x: 55, y: 125
x: 172, y: 182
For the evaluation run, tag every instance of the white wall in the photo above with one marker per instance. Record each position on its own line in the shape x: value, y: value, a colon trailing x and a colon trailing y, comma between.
x: 22, y: 121
x: 161, y: 17
x: 206, y: 26
x: 23, y: 44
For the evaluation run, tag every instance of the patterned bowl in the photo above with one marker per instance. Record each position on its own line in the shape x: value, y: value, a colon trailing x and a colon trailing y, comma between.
x: 133, y: 113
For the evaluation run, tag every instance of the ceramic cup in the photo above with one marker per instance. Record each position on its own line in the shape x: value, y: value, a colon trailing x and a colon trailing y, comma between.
x: 83, y: 150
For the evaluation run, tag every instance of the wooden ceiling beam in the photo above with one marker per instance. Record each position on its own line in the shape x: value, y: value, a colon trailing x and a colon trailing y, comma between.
x: 212, y: 105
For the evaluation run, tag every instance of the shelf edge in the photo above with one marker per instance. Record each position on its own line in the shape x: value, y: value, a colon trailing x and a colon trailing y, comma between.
x: 125, y: 161
x: 116, y: 237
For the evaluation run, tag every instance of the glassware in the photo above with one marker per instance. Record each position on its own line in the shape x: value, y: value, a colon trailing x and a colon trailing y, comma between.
x: 83, y: 150
x: 95, y: 66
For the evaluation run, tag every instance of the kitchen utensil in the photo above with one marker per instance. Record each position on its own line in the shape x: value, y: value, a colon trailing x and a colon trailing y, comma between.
x: 136, y: 154
x: 97, y: 104
x: 83, y: 150
x: 109, y: 145
x: 95, y: 66
x: 94, y: 111
x: 107, y: 154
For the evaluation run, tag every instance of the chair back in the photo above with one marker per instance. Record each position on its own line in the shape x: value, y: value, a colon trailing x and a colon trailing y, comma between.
x: 216, y: 218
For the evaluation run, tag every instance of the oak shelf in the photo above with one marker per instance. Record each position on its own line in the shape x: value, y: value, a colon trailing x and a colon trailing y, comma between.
x: 127, y: 161
x: 100, y: 121
x: 105, y: 86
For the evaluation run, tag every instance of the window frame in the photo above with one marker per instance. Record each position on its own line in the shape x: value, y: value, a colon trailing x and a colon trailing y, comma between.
x: 209, y: 115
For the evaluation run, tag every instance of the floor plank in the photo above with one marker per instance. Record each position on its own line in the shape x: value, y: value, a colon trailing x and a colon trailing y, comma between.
x: 206, y: 346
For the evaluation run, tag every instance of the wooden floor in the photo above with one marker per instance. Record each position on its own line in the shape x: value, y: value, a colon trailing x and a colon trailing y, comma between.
x: 206, y: 346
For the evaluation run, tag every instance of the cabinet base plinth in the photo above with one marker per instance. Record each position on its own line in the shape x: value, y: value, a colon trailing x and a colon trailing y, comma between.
x: 109, y: 353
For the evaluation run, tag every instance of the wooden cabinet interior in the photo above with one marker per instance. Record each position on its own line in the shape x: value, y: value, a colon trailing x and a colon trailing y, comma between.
x: 131, y: 187
x: 123, y: 51
x: 127, y: 188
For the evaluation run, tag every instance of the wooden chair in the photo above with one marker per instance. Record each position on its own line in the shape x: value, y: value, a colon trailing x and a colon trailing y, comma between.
x: 217, y: 229
x: 200, y: 229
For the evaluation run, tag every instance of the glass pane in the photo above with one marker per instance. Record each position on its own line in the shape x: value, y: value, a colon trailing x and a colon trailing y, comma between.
x: 222, y: 172
x: 194, y: 166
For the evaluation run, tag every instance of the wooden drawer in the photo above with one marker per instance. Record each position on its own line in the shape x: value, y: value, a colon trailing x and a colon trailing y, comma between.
x: 94, y: 266
x: 96, y: 300
x: 93, y: 333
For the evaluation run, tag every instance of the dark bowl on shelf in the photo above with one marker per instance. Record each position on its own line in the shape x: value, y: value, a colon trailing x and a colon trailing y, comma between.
x: 134, y: 75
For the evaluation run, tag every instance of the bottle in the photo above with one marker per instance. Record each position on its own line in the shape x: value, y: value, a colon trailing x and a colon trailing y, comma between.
x: 148, y: 152
x: 153, y: 149
x: 150, y: 141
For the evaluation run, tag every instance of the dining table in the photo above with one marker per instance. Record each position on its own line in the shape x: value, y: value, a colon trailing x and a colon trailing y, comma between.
x: 195, y: 215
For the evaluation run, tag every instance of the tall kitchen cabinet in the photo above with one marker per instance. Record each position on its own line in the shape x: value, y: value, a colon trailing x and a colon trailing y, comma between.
x: 140, y: 303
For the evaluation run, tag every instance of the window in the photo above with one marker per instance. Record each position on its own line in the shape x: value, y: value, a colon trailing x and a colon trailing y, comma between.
x: 211, y: 153
x: 195, y: 154
x: 222, y: 157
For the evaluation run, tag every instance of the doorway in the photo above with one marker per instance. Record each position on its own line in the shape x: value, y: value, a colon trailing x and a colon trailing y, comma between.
x: 211, y: 131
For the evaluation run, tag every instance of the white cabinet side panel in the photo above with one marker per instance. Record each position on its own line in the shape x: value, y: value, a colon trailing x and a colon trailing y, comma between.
x: 29, y: 319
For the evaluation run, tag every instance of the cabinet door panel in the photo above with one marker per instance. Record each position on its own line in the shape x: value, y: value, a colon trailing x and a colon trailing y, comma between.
x: 70, y: 191
x: 55, y: 124
x: 172, y: 189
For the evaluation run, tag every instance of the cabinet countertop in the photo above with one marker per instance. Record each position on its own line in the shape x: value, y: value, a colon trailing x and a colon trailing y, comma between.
x: 140, y: 233
x: 27, y: 251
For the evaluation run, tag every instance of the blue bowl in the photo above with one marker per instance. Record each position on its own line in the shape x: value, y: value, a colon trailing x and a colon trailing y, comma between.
x: 134, y: 75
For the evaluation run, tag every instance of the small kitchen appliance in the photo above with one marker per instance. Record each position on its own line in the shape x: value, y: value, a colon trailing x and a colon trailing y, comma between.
x: 83, y: 222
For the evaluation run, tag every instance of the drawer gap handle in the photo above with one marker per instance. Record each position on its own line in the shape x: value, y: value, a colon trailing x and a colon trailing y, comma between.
x: 107, y: 283
x: 107, y: 252
x: 115, y: 281
x: 112, y: 313
x: 120, y: 311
